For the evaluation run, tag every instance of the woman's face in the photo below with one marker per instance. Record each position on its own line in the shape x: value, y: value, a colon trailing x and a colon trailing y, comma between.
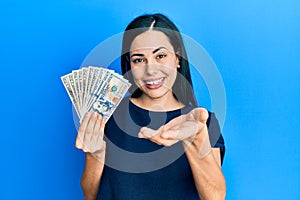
x: 153, y: 63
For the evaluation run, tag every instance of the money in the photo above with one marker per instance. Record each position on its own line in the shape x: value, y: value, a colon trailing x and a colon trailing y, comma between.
x: 95, y: 89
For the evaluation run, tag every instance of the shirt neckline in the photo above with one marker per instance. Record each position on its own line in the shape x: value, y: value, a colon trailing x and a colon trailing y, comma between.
x: 145, y: 110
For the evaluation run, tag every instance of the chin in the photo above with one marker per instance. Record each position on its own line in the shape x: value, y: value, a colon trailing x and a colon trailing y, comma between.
x: 157, y: 94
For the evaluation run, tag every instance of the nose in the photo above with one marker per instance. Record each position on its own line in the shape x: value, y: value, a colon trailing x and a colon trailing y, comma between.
x: 151, y: 67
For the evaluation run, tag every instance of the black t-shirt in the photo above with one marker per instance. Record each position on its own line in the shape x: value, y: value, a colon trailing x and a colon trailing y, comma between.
x: 138, y: 168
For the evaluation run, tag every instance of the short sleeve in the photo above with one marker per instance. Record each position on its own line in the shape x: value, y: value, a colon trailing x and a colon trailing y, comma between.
x: 215, y: 136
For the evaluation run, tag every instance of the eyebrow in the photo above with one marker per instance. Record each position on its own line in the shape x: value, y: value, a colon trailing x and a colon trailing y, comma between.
x: 154, y: 51
x: 136, y: 54
x: 159, y: 48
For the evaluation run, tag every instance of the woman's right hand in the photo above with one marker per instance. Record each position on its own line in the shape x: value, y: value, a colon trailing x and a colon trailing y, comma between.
x: 90, y: 136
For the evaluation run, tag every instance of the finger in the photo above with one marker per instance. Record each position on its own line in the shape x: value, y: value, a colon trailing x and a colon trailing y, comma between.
x: 84, y: 149
x: 154, y: 136
x: 100, y: 132
x: 203, y: 115
x: 161, y: 141
x: 81, y: 130
x: 174, y: 122
x: 96, y: 131
x: 78, y: 143
x: 200, y: 114
x: 186, y: 130
x: 90, y: 127
x: 170, y: 134
x: 169, y: 143
x: 155, y: 139
x: 102, y: 124
x: 146, y: 132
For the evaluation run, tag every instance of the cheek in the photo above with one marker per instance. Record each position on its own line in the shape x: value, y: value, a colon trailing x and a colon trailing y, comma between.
x: 172, y: 74
x: 137, y: 72
x: 170, y: 67
x: 170, y: 71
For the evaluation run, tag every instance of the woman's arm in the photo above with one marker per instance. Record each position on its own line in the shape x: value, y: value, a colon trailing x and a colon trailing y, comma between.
x: 205, y: 162
x: 91, y: 176
x: 207, y: 173
x: 90, y: 140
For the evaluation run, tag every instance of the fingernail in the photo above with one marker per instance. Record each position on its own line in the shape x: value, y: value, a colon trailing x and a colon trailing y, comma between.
x: 78, y: 145
x: 140, y: 135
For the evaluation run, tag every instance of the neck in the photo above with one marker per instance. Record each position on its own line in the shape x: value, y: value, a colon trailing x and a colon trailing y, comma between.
x: 165, y: 103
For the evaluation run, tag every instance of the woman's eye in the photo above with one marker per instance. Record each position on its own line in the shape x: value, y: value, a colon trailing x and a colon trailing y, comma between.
x: 160, y: 56
x: 137, y: 60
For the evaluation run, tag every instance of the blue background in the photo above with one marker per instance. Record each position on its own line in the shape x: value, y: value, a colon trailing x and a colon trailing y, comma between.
x: 255, y: 45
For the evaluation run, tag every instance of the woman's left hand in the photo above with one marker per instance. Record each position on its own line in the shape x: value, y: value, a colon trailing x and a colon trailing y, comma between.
x: 188, y: 128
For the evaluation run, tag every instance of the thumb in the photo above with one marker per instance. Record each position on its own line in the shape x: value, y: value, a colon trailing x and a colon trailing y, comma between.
x: 199, y: 114
x: 203, y: 115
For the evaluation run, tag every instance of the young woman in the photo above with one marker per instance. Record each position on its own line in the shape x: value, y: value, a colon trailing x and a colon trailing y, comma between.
x: 158, y: 144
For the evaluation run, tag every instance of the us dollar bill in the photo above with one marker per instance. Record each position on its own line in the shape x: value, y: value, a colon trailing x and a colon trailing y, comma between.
x: 95, y: 89
x: 110, y: 96
x: 80, y: 89
x: 84, y: 83
x: 66, y: 82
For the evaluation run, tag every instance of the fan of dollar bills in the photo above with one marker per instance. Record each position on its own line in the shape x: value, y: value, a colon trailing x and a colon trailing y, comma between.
x: 95, y: 89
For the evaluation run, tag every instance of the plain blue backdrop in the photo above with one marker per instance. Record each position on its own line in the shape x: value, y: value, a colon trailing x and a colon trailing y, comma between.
x: 255, y: 45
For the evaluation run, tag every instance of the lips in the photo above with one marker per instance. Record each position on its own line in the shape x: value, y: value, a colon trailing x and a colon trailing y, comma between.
x: 154, y: 83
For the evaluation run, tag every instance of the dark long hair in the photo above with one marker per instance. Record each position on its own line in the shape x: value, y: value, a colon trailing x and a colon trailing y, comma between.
x: 183, y: 87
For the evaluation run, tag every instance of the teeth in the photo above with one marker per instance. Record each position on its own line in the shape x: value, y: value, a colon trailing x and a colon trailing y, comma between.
x: 154, y: 82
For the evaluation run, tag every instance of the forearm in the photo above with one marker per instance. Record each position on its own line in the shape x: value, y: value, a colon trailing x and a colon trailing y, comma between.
x: 207, y: 173
x: 91, y: 177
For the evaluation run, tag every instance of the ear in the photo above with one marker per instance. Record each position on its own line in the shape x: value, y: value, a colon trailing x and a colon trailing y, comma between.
x: 178, y: 57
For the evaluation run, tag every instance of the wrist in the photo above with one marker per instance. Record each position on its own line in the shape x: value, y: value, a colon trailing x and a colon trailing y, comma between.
x: 205, y: 148
x: 99, y: 155
x: 199, y: 145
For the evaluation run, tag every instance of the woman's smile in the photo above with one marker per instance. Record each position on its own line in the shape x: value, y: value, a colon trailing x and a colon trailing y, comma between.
x: 154, y: 83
